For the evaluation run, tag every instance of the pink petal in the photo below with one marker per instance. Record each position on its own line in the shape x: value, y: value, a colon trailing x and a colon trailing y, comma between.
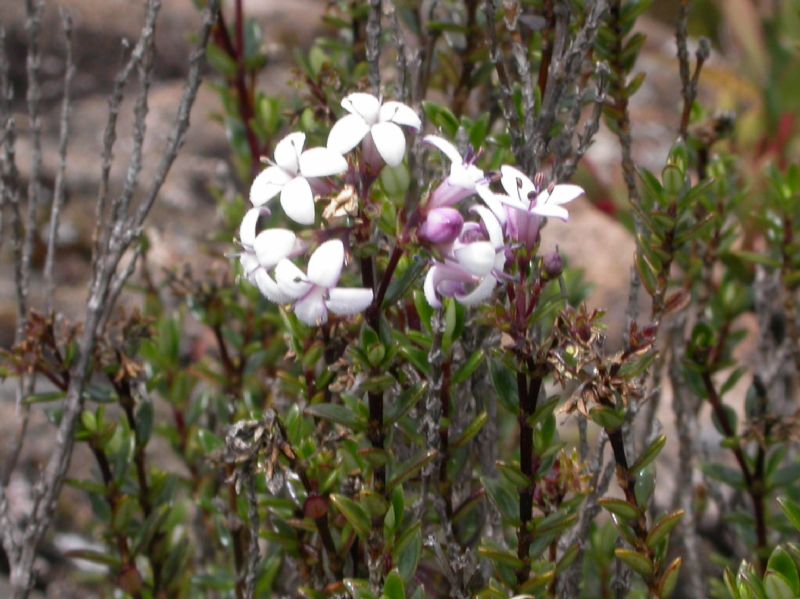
x: 325, y: 264
x: 493, y: 227
x: 480, y: 294
x: 430, y: 287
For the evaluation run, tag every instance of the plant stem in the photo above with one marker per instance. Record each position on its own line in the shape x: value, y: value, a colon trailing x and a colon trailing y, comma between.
x: 528, y: 397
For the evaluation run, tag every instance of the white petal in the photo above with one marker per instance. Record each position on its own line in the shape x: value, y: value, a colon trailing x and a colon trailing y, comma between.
x: 311, y: 309
x: 347, y: 133
x: 465, y: 175
x: 399, y: 113
x: 291, y: 280
x: 325, y: 264
x: 273, y: 245
x: 269, y: 288
x: 348, y: 301
x: 551, y: 210
x: 288, y: 150
x: 493, y: 227
x: 267, y: 185
x: 247, y: 230
x: 445, y: 147
x: 430, y: 287
x: 563, y: 194
x: 249, y: 265
x: 390, y: 142
x: 322, y: 162
x: 477, y: 257
x: 297, y: 201
x: 364, y: 105
x: 492, y: 200
x: 516, y: 183
x: 480, y: 294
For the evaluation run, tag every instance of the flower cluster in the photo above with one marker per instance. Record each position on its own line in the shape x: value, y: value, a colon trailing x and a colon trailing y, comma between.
x: 467, y: 256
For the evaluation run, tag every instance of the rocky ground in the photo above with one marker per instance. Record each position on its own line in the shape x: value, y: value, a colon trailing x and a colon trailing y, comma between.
x: 185, y: 214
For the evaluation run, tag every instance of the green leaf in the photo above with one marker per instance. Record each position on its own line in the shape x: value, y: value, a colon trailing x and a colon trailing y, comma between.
x: 144, y: 423
x: 782, y: 563
x: 469, y: 367
x: 353, y: 513
x: 336, y: 413
x: 96, y: 557
x: 663, y: 527
x: 649, y: 454
x: 407, y: 399
x: 503, y: 498
x: 471, y: 431
x: 777, y: 587
x: 608, y: 418
x: 638, y: 562
x: 792, y: 511
x: 412, y: 469
x: 505, y: 384
x: 408, y: 551
x: 669, y: 579
x: 209, y: 442
x: 46, y: 397
x: 621, y: 508
x: 393, y: 587
x: 149, y: 529
x: 726, y: 474
x: 501, y: 556
x: 401, y: 284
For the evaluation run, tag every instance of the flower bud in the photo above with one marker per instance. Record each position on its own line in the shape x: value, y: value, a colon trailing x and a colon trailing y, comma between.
x: 553, y: 265
x: 441, y: 226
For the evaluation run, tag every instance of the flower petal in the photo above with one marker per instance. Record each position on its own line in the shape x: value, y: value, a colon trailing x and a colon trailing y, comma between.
x: 347, y: 133
x: 364, y: 105
x: 492, y: 200
x: 516, y: 183
x: 551, y: 210
x: 322, y: 162
x: 269, y: 288
x: 311, y: 309
x: 267, y: 185
x: 297, y: 201
x: 430, y: 287
x: 347, y: 302
x: 273, y: 245
x: 291, y: 280
x: 288, y: 150
x: 249, y: 265
x: 563, y: 194
x: 476, y: 257
x: 493, y: 227
x: 399, y: 113
x: 445, y: 147
x: 390, y: 142
x: 480, y: 294
x: 325, y: 264
x: 247, y: 230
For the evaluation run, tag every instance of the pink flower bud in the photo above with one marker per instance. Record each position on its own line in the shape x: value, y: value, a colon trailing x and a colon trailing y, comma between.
x: 441, y: 226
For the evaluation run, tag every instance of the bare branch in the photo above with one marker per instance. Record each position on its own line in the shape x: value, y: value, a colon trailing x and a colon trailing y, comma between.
x: 373, y: 48
x: 63, y: 137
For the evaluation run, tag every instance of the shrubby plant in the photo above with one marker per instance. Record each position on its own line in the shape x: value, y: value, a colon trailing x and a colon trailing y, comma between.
x: 406, y: 395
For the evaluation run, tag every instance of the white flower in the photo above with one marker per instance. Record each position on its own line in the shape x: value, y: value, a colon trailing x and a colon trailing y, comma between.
x: 316, y: 293
x: 471, y: 271
x: 464, y: 178
x: 262, y: 252
x: 289, y: 176
x: 381, y: 121
x: 523, y: 195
